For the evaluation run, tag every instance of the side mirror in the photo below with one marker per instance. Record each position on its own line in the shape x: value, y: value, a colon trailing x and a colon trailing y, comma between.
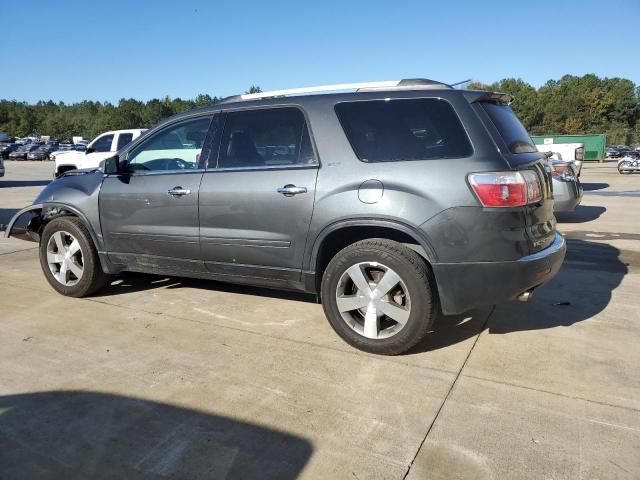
x: 89, y: 150
x: 111, y: 165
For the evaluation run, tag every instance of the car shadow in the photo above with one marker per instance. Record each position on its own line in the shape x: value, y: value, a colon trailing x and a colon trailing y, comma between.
x: 74, y: 434
x: 588, y: 187
x: 129, y: 282
x: 582, y: 214
x: 23, y: 183
x: 582, y: 289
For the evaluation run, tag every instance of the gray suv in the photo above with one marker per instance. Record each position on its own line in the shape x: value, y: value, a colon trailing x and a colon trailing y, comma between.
x: 392, y: 203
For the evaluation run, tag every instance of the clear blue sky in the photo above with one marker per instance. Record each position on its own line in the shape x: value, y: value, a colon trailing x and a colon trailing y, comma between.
x: 106, y: 50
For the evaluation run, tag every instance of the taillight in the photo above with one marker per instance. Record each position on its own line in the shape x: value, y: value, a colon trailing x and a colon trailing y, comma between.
x: 506, y: 189
x: 579, y: 154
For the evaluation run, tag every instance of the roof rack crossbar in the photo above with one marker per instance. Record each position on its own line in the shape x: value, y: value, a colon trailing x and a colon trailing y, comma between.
x: 362, y: 86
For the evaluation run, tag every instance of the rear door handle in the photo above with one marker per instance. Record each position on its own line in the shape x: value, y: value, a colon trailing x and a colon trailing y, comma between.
x: 291, y: 190
x: 178, y: 191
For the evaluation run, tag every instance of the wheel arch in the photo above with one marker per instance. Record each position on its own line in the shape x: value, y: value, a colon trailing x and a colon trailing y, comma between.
x: 337, y: 236
x: 42, y: 210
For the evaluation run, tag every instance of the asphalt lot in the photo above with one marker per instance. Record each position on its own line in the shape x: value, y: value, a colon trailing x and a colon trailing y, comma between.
x: 172, y: 378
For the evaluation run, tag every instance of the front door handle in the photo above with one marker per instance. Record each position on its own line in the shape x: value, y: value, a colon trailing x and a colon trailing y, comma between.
x: 178, y: 191
x: 291, y: 190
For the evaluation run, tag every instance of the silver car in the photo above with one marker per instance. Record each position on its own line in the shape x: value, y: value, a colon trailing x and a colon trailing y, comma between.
x: 567, y: 190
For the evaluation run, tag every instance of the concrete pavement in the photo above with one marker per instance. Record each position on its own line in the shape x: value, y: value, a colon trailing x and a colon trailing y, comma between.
x: 173, y: 378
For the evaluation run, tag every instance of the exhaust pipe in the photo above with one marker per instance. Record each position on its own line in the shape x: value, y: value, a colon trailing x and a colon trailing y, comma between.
x: 525, y: 296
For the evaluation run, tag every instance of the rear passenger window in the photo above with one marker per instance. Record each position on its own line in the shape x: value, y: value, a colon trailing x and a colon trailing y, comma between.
x: 265, y: 138
x: 124, y: 139
x: 405, y: 129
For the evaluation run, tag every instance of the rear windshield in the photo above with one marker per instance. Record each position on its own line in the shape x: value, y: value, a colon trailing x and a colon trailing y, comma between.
x: 405, y: 129
x: 510, y: 128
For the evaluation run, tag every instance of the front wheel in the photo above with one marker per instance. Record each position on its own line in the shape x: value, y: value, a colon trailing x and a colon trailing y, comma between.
x: 69, y: 259
x: 378, y: 296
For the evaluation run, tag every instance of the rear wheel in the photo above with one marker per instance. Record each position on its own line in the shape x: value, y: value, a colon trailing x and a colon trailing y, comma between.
x: 377, y: 295
x: 69, y: 259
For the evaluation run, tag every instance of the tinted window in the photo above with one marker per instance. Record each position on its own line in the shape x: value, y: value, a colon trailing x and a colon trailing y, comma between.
x: 388, y: 131
x: 123, y: 139
x: 510, y: 128
x: 176, y: 147
x: 267, y: 137
x: 102, y: 144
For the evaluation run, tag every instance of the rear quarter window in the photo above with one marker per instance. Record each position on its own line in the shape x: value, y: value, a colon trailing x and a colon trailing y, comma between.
x: 403, y: 129
x: 511, y: 130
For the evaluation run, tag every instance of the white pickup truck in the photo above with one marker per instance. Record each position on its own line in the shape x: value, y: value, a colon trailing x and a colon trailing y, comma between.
x: 101, y: 148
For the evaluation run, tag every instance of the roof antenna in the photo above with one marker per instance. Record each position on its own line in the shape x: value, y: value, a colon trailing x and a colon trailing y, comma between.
x: 463, y: 83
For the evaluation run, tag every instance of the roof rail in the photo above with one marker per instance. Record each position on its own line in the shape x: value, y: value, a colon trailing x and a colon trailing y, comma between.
x: 406, y: 84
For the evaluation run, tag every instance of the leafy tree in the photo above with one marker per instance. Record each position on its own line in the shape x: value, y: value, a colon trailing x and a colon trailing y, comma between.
x: 569, y: 105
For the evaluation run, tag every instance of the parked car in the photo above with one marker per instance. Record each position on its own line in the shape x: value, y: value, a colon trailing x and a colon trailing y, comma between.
x: 567, y: 190
x: 39, y: 153
x: 391, y: 203
x: 21, y: 152
x: 611, y: 152
x: 102, y: 147
x: 1, y: 167
x: 6, y: 149
x: 62, y: 148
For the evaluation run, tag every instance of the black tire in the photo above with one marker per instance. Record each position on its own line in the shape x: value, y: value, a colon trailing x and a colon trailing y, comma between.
x: 414, y: 273
x: 93, y: 278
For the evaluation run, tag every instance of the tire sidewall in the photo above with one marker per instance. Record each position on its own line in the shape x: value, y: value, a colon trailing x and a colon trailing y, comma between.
x: 422, y: 311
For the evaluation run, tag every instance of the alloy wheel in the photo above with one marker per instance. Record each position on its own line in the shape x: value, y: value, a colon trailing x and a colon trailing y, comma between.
x: 373, y: 300
x: 64, y: 257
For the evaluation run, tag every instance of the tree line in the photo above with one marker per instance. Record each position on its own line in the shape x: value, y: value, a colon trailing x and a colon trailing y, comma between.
x: 575, y: 105
x: 570, y: 105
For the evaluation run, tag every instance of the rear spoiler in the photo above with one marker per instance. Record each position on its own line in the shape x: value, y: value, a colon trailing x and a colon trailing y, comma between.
x: 484, y: 96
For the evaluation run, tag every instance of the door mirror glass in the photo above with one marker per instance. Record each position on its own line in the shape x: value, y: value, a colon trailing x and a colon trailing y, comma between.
x: 111, y: 165
x: 89, y: 150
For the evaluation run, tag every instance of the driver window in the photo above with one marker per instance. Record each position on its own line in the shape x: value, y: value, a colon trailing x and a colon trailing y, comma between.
x: 177, y: 147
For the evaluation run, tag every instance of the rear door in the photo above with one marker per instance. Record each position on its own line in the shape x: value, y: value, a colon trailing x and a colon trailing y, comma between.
x: 256, y: 200
x: 149, y: 214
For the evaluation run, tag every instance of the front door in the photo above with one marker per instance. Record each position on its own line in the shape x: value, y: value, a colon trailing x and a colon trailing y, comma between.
x: 149, y: 214
x: 256, y: 201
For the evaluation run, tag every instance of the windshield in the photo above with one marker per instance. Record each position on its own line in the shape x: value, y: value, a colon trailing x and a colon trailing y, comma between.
x: 510, y: 128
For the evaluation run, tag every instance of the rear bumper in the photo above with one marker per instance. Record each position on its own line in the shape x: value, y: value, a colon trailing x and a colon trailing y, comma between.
x: 463, y: 286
